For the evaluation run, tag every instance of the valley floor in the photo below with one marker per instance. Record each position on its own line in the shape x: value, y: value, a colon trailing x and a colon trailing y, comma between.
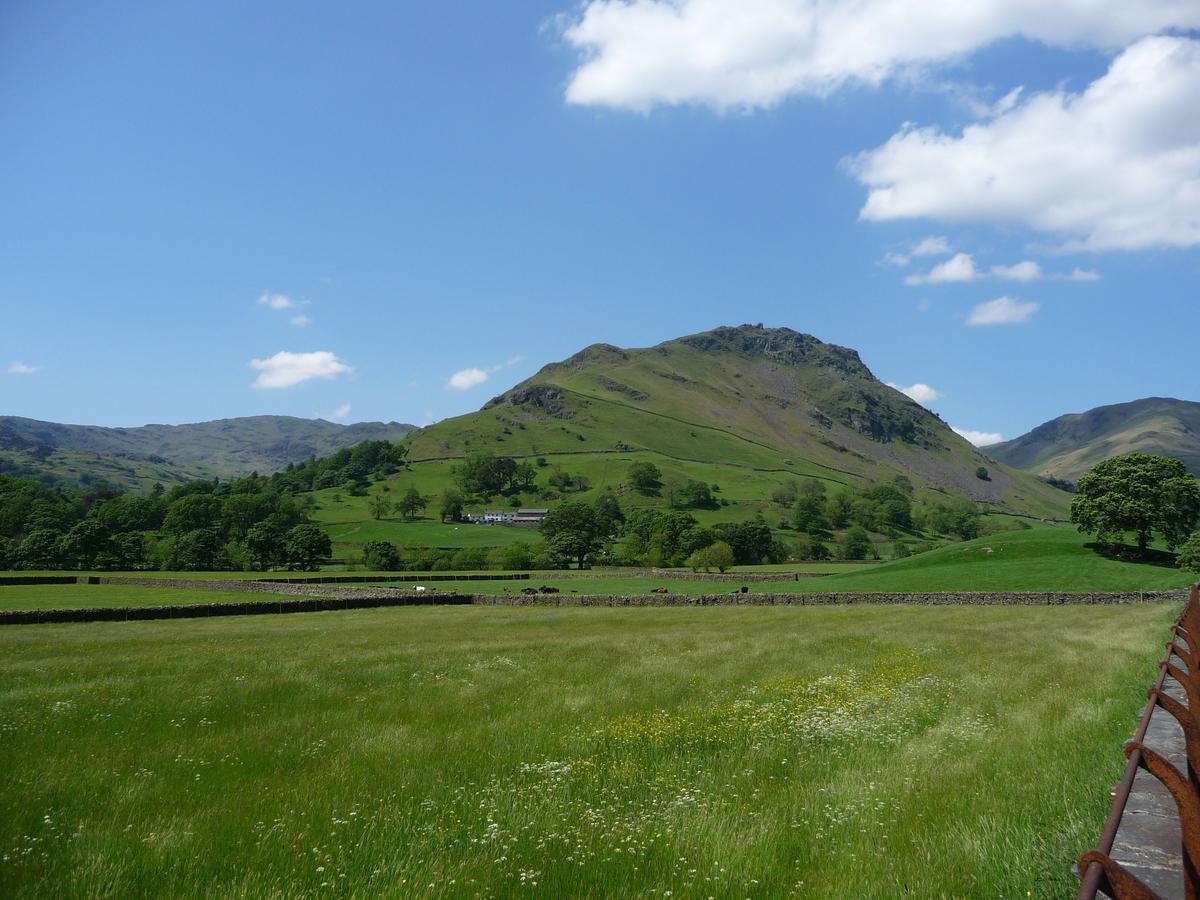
x: 464, y: 751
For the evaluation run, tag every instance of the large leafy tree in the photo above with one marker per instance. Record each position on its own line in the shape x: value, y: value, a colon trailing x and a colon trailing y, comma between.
x: 576, y: 530
x: 646, y: 478
x: 307, y: 546
x: 484, y: 473
x: 381, y: 556
x: 411, y: 503
x: 265, y: 543
x: 452, y: 505
x: 200, y: 550
x: 1139, y: 494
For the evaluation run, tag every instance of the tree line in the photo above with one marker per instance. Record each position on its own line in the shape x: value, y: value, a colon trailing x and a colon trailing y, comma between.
x: 250, y: 523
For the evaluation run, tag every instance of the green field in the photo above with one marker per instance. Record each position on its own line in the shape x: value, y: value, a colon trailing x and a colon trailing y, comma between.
x: 1039, y: 559
x: 461, y: 752
x: 428, y: 532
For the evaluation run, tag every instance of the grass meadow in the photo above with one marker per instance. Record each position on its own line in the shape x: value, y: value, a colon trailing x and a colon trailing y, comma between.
x: 850, y: 751
x: 1038, y: 559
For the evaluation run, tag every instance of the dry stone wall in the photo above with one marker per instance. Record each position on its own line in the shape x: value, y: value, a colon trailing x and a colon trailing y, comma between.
x: 321, y: 598
x: 992, y: 598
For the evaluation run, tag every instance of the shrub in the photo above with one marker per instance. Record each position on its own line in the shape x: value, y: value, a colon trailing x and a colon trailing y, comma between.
x: 809, y: 549
x: 1189, y: 555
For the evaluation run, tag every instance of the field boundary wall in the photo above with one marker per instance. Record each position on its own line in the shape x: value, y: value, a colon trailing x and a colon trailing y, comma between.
x: 317, y: 598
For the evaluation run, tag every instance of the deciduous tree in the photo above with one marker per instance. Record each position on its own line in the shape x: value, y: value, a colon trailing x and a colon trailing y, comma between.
x: 307, y: 546
x: 575, y: 531
x: 1140, y: 494
x: 411, y: 503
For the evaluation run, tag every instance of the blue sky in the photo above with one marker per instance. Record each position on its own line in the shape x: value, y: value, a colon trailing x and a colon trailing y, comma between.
x: 378, y: 211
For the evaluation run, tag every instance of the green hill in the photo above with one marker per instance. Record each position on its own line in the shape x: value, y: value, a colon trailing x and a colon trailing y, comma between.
x: 135, y: 458
x: 749, y: 408
x: 1070, y: 445
x: 1038, y: 559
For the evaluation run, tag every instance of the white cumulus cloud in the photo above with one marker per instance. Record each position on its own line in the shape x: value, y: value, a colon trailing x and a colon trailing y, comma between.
x: 1002, y: 311
x: 745, y: 54
x: 339, y: 414
x: 1078, y: 274
x: 465, y: 379
x: 978, y: 438
x: 301, y: 321
x: 16, y: 367
x: 959, y: 267
x: 1114, y: 167
x: 920, y: 392
x: 284, y: 369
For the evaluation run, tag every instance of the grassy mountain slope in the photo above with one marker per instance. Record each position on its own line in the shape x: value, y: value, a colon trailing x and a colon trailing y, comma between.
x: 1070, y: 445
x: 134, y: 458
x: 747, y: 407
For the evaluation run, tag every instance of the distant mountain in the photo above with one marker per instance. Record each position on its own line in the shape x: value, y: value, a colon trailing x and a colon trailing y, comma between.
x: 134, y: 458
x: 748, y: 407
x: 1070, y: 445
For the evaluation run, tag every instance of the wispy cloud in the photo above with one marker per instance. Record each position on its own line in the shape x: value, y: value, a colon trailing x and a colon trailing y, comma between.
x: 285, y: 369
x: 934, y: 245
x: 978, y: 438
x: 282, y: 303
x: 1027, y: 270
x: 277, y: 301
x: 338, y: 415
x: 16, y: 367
x: 920, y: 392
x: 1002, y: 311
x: 962, y: 268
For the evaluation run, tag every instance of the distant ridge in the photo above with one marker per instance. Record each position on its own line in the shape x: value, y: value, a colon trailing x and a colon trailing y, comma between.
x: 134, y: 458
x: 1070, y: 445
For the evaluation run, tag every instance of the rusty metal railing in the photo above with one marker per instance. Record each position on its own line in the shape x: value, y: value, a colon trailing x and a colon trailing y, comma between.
x: 1100, y: 872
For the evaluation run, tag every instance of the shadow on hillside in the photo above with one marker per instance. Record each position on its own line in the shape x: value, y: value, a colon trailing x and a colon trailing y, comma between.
x: 1125, y: 553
